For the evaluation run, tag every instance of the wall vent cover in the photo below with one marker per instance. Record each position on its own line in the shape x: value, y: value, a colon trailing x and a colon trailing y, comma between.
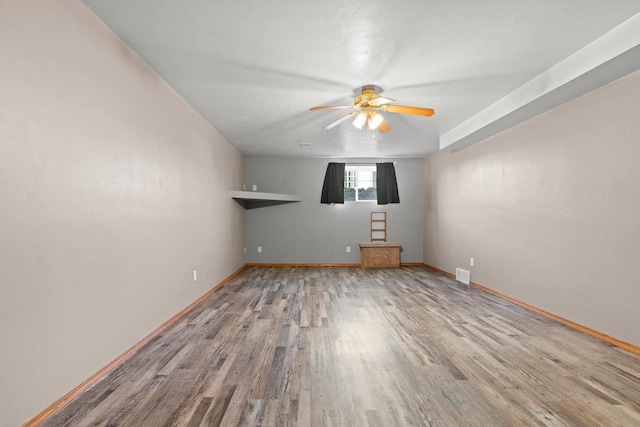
x: 463, y: 276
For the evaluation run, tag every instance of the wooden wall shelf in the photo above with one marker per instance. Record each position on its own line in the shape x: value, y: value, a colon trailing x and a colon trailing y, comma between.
x: 256, y: 199
x: 378, y: 226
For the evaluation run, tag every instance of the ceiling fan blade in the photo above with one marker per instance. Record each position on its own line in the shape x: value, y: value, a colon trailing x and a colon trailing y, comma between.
x: 384, y: 127
x: 340, y: 120
x: 381, y: 100
x: 331, y: 107
x: 403, y: 109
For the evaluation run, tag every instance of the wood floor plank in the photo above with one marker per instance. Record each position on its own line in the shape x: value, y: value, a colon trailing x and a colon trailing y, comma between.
x: 200, y: 412
x: 344, y: 346
x: 219, y: 406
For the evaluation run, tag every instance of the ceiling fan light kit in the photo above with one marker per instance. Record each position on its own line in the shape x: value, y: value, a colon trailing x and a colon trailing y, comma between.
x: 375, y: 119
x: 369, y: 102
x: 360, y: 119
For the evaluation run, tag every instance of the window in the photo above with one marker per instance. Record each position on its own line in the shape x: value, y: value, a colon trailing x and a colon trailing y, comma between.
x: 360, y: 183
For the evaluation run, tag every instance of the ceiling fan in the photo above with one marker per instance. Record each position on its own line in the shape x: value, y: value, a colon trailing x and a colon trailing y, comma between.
x: 367, y: 105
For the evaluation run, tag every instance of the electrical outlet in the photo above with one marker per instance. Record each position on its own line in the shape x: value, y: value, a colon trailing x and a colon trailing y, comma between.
x: 348, y: 249
x: 259, y: 249
x: 195, y: 276
x: 255, y: 187
x: 471, y: 262
x: 245, y: 249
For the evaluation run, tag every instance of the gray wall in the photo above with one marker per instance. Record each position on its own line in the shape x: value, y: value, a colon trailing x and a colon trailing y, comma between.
x: 112, y: 191
x: 550, y: 210
x: 311, y: 232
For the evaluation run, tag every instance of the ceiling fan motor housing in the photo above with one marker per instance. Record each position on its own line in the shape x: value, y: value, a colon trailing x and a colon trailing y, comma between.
x: 364, y: 100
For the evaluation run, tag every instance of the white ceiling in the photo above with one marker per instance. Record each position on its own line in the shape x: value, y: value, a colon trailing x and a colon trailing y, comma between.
x: 253, y: 68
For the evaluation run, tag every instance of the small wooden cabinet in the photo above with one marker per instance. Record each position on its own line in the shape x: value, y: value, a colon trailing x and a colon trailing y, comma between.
x: 379, y: 254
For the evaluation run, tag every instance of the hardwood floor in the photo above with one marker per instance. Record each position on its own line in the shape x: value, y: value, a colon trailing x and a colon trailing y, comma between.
x: 347, y: 346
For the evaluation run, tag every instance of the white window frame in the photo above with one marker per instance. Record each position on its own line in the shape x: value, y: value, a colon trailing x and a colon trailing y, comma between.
x: 363, y: 171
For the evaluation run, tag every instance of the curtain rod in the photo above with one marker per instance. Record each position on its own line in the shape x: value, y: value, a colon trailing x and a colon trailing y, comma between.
x: 365, y: 163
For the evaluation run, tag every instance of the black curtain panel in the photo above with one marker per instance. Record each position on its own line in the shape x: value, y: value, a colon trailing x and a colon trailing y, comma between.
x: 387, y: 184
x: 333, y: 188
